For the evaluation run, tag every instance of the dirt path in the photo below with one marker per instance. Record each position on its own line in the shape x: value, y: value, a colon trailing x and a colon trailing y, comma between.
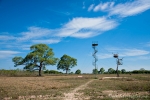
x: 74, y: 95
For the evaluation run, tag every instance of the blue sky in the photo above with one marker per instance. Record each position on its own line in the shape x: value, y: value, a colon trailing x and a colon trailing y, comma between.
x: 70, y: 26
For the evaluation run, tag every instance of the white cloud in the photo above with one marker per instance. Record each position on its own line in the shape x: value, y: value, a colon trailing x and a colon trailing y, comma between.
x: 83, y: 34
x: 91, y: 7
x: 123, y: 53
x: 103, y: 6
x: 7, y: 53
x: 6, y: 37
x: 34, y: 32
x: 49, y: 41
x: 130, y: 8
x: 104, y: 56
x: 86, y: 27
x: 134, y: 52
x: 124, y: 9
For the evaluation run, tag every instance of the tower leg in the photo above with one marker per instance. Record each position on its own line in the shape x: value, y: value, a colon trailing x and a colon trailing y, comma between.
x: 117, y: 71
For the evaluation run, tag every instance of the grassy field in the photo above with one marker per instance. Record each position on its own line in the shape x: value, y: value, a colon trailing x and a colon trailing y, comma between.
x: 129, y: 87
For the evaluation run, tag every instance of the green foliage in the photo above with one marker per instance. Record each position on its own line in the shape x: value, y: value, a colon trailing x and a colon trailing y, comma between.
x: 111, y: 71
x: 66, y: 62
x: 52, y: 72
x: 123, y: 71
x: 102, y: 70
x: 17, y: 61
x: 141, y: 72
x: 78, y: 71
x: 17, y: 73
x: 40, y: 56
x: 95, y: 71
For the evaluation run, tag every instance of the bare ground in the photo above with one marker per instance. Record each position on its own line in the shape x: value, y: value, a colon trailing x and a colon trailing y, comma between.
x: 75, y: 95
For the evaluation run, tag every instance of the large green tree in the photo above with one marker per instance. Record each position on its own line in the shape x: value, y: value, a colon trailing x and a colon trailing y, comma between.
x: 40, y: 56
x: 66, y: 62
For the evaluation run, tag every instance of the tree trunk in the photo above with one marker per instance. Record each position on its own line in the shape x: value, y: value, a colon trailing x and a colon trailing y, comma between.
x: 66, y: 71
x: 40, y: 71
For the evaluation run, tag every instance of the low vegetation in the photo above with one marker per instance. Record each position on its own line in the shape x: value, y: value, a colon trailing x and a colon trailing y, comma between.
x: 53, y: 87
x: 48, y: 87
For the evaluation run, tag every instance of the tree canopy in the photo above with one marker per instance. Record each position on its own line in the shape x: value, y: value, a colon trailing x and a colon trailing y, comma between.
x: 78, y: 71
x: 102, y: 70
x: 95, y: 71
x: 123, y: 71
x: 111, y: 70
x: 66, y: 62
x: 40, y: 56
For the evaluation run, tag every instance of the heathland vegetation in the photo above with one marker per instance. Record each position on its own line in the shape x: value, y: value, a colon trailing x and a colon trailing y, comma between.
x: 62, y: 86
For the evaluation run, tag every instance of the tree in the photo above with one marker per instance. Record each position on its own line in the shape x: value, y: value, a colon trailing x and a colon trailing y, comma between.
x: 95, y: 71
x: 111, y: 71
x: 142, y: 70
x: 78, y: 71
x: 66, y: 62
x: 40, y: 56
x: 102, y: 70
x: 123, y: 71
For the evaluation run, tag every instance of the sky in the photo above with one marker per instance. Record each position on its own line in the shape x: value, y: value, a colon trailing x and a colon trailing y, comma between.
x: 71, y: 26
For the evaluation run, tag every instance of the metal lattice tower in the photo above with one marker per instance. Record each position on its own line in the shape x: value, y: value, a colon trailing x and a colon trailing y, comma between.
x: 94, y: 44
x: 119, y: 62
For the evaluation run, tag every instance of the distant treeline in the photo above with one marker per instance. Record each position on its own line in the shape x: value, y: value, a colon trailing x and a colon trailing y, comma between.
x: 25, y: 73
x: 141, y: 72
x: 18, y: 73
x: 52, y: 72
x: 22, y: 73
x: 130, y: 72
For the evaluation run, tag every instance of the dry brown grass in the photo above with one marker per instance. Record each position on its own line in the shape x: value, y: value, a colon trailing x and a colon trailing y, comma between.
x: 53, y: 87
x: 129, y: 87
x: 32, y: 87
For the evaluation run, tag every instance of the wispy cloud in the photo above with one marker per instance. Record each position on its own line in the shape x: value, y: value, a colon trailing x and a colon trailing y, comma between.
x: 103, y: 6
x: 6, y: 37
x: 34, y: 32
x: 60, y: 12
x: 86, y: 27
x: 123, y: 9
x: 91, y: 7
x: 134, y: 52
x: 49, y: 41
x: 7, y: 53
x: 104, y: 56
x: 123, y: 53
x: 130, y: 8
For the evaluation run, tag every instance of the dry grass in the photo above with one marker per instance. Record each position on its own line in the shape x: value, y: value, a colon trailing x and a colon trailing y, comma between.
x: 133, y: 87
x: 48, y: 86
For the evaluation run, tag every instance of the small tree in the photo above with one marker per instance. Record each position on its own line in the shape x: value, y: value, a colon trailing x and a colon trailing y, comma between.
x: 78, y: 71
x: 95, y: 71
x: 123, y: 71
x: 111, y: 71
x: 142, y: 70
x: 40, y: 56
x: 66, y: 62
x: 102, y: 70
